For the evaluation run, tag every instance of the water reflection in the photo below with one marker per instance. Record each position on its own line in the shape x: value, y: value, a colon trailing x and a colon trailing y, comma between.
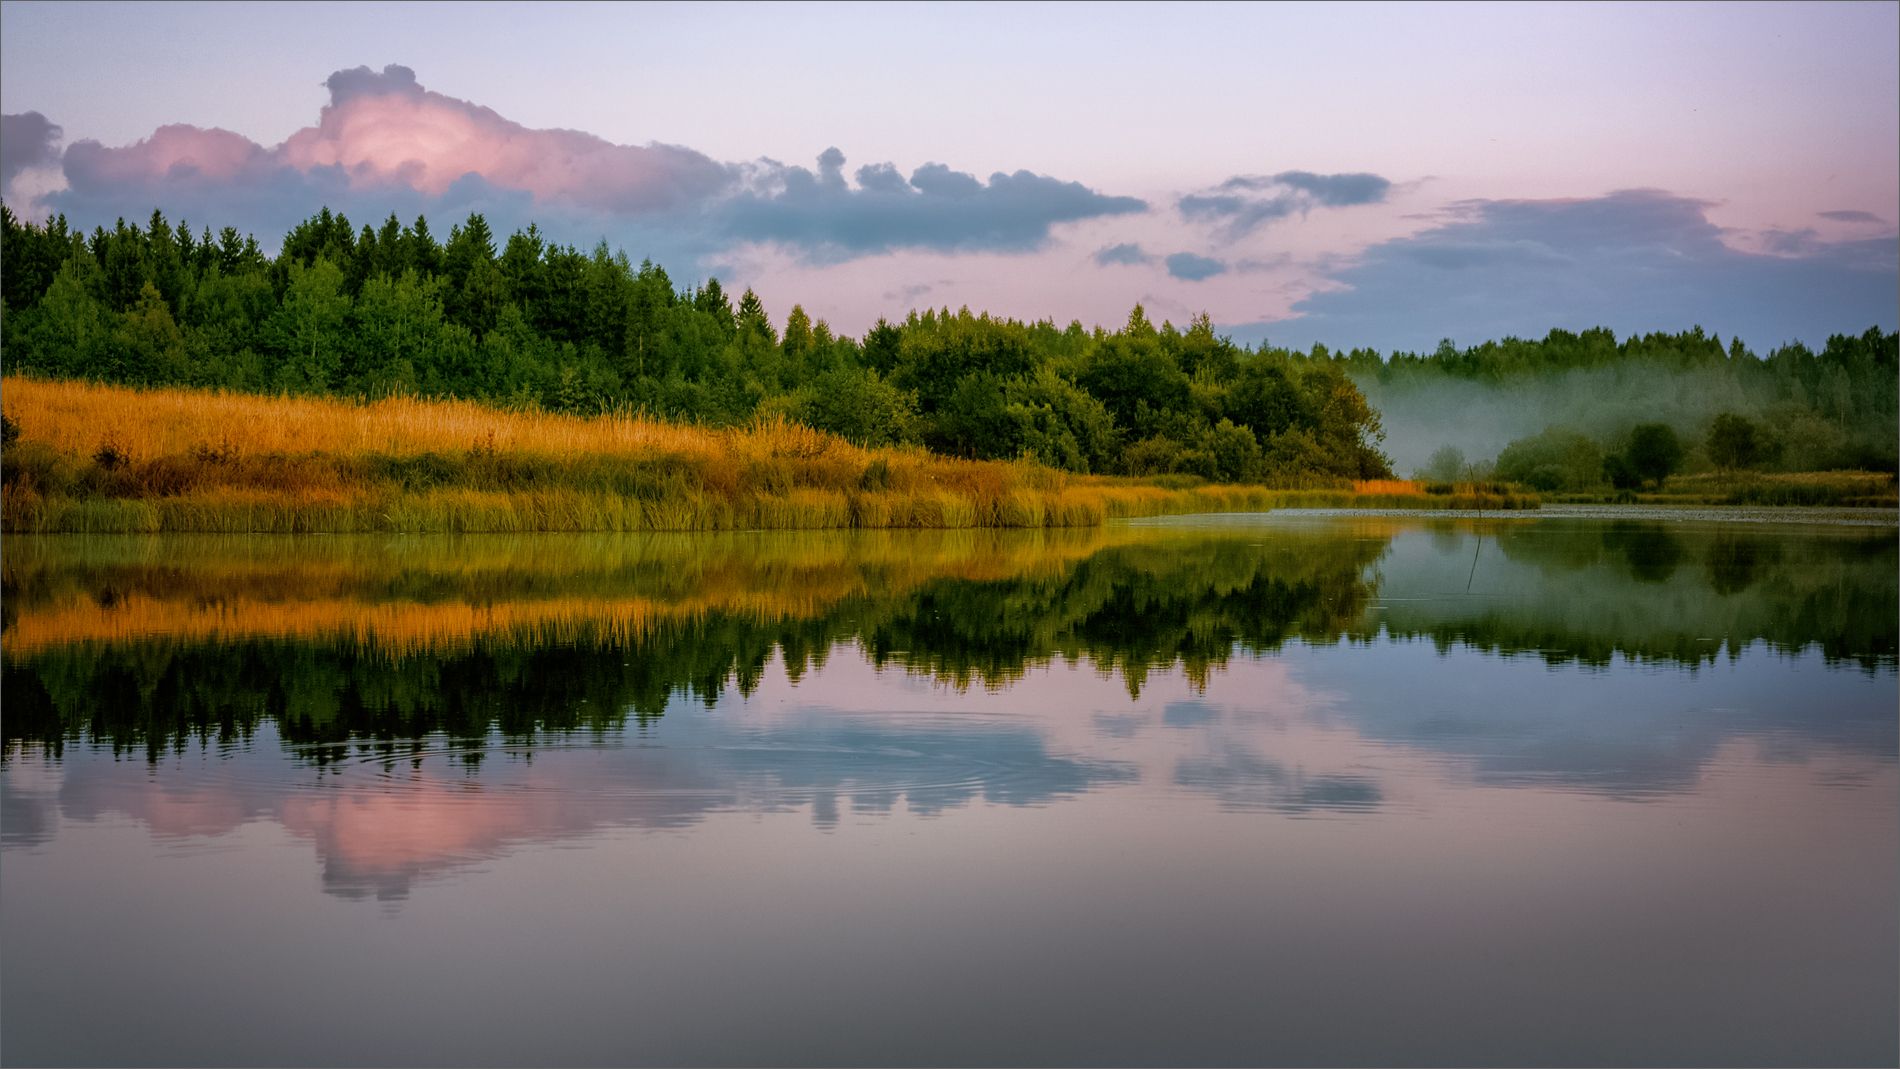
x: 142, y: 644
x: 414, y: 682
x: 1346, y: 787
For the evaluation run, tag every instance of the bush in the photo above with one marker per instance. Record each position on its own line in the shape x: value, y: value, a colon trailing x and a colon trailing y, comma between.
x: 1735, y: 442
x: 857, y: 405
x: 1654, y: 452
x: 1447, y: 465
x: 1552, y: 461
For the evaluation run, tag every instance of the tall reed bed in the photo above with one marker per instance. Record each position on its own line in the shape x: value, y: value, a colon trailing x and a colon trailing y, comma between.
x: 96, y: 458
x: 93, y: 458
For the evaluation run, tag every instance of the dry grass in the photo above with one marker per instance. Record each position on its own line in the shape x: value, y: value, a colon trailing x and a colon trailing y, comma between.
x: 77, y: 417
x: 95, y: 458
x: 1864, y: 489
x: 1389, y: 487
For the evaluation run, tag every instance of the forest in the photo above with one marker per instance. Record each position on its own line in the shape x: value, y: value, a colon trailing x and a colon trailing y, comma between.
x: 391, y: 311
x: 527, y: 324
x: 1577, y: 411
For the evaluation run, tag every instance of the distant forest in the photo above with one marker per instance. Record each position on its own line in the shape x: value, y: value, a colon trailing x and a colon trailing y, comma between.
x: 1550, y: 413
x: 529, y: 323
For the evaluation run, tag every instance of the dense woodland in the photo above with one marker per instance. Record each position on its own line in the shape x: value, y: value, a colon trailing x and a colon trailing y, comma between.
x: 525, y: 322
x: 1577, y: 411
x: 375, y: 312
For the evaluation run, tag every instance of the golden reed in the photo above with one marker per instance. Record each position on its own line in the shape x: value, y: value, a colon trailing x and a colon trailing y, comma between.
x: 97, y: 458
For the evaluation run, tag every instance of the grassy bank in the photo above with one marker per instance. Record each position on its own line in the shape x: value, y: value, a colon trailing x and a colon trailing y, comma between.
x: 93, y: 458
x: 1832, y: 489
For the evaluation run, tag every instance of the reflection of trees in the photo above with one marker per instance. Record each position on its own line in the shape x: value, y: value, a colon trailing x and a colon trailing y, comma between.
x: 1133, y: 609
x: 358, y: 646
x: 1587, y: 592
x: 1648, y: 550
x: 1129, y: 609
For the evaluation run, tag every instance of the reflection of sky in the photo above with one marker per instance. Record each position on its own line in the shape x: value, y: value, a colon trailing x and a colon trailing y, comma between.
x: 864, y: 865
x: 1302, y: 733
x: 380, y: 823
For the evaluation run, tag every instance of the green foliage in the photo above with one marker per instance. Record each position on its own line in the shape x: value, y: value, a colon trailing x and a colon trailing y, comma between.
x: 375, y: 311
x: 1447, y: 465
x: 1590, y: 594
x: 1831, y: 409
x: 1060, y: 424
x: 858, y: 405
x: 1556, y: 460
x: 1654, y: 452
x: 1735, y: 442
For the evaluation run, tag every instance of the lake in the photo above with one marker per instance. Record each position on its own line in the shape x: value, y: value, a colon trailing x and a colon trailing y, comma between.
x: 1296, y: 789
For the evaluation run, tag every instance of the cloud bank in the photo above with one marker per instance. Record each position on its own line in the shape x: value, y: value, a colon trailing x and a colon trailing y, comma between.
x: 1634, y: 261
x: 936, y: 208
x: 29, y: 160
x: 27, y: 140
x: 385, y: 143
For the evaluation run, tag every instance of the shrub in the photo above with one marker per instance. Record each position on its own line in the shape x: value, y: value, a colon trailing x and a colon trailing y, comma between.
x: 1654, y: 452
x: 1553, y: 460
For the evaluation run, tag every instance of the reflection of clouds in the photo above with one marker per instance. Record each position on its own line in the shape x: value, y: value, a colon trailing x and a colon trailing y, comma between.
x: 378, y: 832
x: 29, y: 808
x: 1240, y: 778
x: 1625, y: 732
x: 931, y: 768
x: 1189, y: 714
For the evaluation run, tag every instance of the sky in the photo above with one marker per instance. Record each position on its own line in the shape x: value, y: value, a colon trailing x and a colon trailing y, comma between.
x: 1357, y: 175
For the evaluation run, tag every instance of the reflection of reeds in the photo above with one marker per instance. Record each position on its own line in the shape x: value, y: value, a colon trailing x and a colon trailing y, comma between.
x: 437, y: 595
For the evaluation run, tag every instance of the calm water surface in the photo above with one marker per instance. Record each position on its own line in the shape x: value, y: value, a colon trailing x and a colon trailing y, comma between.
x: 1287, y: 790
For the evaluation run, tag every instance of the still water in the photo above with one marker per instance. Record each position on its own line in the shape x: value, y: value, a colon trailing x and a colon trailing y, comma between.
x: 1296, y: 789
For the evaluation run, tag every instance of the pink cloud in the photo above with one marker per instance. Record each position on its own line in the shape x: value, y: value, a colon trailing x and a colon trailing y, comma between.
x: 384, y: 130
x: 385, y: 144
x: 386, y: 127
x: 171, y: 151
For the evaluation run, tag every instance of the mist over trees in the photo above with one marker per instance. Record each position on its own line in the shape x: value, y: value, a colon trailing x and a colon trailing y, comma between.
x: 523, y: 322
x: 1518, y: 408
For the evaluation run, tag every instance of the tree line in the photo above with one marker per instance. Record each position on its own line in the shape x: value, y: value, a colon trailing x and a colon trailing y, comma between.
x: 1574, y: 411
x: 527, y: 322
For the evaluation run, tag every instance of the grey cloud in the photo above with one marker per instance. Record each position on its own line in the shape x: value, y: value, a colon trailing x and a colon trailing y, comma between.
x: 1192, y: 268
x: 1849, y: 215
x: 395, y: 79
x: 881, y: 178
x: 27, y: 140
x: 1337, y: 190
x: 1245, y: 203
x: 936, y: 209
x: 1633, y: 261
x: 1127, y: 254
